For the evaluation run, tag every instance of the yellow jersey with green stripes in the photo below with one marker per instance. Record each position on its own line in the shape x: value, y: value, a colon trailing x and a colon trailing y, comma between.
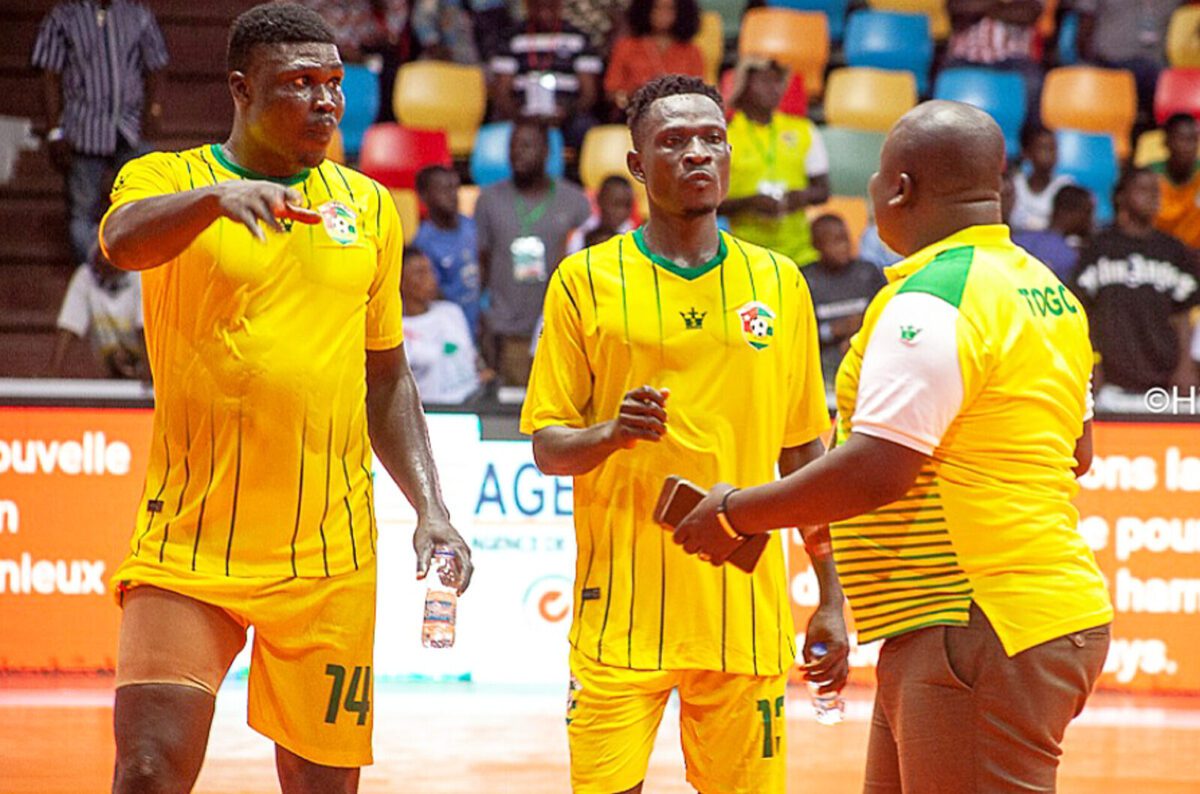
x: 977, y: 356
x: 260, y: 464
x: 735, y: 342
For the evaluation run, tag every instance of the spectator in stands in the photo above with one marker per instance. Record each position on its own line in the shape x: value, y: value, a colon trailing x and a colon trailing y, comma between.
x: 1070, y: 228
x: 1138, y: 286
x: 1179, y: 181
x: 548, y: 71
x: 998, y: 34
x: 444, y: 31
x: 659, y: 41
x: 373, y: 32
x: 1036, y: 185
x: 447, y: 237
x: 841, y: 287
x: 613, y: 215
x: 99, y: 59
x: 1122, y: 34
x: 779, y: 165
x: 522, y: 227
x: 103, y: 304
x: 600, y: 20
x: 439, y: 344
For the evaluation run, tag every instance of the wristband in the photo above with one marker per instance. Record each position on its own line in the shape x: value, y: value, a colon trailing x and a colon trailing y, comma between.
x: 723, y: 517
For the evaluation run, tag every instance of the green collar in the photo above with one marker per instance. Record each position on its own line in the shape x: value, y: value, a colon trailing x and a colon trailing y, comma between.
x: 639, y: 239
x: 219, y: 153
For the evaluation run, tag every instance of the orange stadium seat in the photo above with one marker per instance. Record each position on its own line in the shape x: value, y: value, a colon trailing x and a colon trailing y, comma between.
x: 711, y: 41
x: 1177, y: 91
x: 939, y: 18
x: 861, y: 98
x: 1091, y: 99
x: 394, y: 154
x: 1183, y: 37
x: 603, y: 154
x: 438, y: 95
x: 408, y: 207
x: 852, y: 209
x: 797, y: 39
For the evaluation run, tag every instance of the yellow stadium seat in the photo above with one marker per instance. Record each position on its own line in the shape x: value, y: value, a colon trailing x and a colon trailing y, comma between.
x: 603, y: 154
x: 336, y: 151
x: 796, y: 39
x: 1151, y: 148
x: 711, y: 41
x: 1183, y: 37
x: 408, y: 207
x: 1091, y: 99
x: 852, y: 209
x: 868, y: 99
x: 939, y: 18
x: 442, y: 96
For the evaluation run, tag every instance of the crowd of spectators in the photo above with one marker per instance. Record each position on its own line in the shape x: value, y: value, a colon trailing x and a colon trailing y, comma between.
x: 474, y: 280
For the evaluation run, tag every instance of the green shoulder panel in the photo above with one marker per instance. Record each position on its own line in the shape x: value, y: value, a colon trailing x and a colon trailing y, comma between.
x: 945, y: 277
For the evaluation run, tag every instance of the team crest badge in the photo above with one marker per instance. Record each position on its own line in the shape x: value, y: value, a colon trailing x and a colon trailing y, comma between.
x: 341, y: 224
x: 758, y: 324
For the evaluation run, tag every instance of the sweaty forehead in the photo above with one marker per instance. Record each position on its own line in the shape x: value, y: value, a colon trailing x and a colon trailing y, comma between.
x: 683, y: 110
x: 291, y: 56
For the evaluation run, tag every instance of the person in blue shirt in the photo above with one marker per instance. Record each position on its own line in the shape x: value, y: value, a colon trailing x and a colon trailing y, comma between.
x: 447, y: 237
x: 1070, y: 227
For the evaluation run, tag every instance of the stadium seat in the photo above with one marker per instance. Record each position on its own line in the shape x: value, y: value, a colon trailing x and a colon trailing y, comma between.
x: 1183, y: 38
x: 1001, y: 94
x: 438, y: 95
x: 408, y: 207
x: 1151, y: 148
x: 868, y: 99
x: 1091, y: 160
x: 336, y: 151
x: 886, y: 40
x: 394, y: 154
x: 797, y: 39
x: 1177, y: 91
x: 834, y: 11
x: 853, y: 157
x: 360, y: 86
x: 1091, y: 99
x: 794, y: 102
x: 939, y: 18
x: 1068, y: 39
x: 489, y: 158
x: 711, y: 41
x: 731, y: 12
x: 468, y: 195
x: 603, y: 154
x: 852, y: 209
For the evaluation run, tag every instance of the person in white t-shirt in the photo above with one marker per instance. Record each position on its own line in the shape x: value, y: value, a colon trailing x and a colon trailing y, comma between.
x: 1036, y: 186
x: 438, y: 340
x: 103, y: 304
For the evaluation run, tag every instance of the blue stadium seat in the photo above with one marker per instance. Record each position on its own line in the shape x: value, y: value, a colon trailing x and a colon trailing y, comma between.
x: 361, y: 89
x: 489, y: 158
x: 1091, y: 160
x: 886, y: 40
x: 1068, y: 40
x: 1001, y: 94
x: 834, y: 10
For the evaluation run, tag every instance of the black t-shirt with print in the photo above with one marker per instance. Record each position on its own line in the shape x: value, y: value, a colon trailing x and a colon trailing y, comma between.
x: 840, y: 298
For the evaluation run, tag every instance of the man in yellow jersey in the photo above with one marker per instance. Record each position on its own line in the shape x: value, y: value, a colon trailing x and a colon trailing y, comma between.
x: 273, y: 323
x: 964, y: 413
x: 726, y: 329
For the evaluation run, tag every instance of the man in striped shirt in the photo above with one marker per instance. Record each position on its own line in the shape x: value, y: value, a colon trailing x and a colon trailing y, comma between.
x: 99, y: 58
x: 963, y: 415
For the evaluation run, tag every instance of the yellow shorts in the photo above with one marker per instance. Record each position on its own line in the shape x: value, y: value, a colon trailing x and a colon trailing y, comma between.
x: 310, y: 669
x: 732, y: 727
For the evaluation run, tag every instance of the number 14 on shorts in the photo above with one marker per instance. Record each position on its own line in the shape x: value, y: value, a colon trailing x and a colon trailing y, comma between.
x: 355, y: 703
x: 771, y: 736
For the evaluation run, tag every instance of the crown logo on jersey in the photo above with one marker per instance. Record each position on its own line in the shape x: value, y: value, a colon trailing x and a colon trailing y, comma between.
x: 908, y: 334
x: 341, y: 224
x: 758, y: 324
x: 693, y: 320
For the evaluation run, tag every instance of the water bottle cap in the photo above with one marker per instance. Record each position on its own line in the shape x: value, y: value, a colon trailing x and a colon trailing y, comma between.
x: 818, y: 649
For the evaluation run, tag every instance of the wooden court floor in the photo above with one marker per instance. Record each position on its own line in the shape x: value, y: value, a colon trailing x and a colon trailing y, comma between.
x: 55, y: 738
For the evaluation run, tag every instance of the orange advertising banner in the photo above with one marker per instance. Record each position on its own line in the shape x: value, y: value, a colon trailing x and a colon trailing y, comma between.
x: 1139, y: 509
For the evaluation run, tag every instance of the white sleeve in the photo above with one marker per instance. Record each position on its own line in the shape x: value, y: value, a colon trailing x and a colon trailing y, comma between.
x: 74, y: 316
x: 816, y: 162
x: 911, y: 385
x: 1089, y: 412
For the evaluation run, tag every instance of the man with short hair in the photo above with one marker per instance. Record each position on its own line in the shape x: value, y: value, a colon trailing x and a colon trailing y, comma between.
x: 963, y: 420
x: 99, y: 60
x: 273, y: 322
x: 1179, y: 181
x: 1070, y: 229
x: 677, y: 347
x: 448, y: 238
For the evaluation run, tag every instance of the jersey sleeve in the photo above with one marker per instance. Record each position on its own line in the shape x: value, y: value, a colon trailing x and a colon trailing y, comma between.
x: 808, y: 415
x: 74, y: 316
x: 154, y: 174
x: 560, y: 384
x: 914, y: 378
x: 385, y: 326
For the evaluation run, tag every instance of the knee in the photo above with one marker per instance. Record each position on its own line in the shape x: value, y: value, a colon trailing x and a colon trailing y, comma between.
x: 147, y: 769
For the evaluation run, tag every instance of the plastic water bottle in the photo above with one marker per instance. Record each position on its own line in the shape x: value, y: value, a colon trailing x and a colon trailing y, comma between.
x: 441, y: 603
x: 828, y: 709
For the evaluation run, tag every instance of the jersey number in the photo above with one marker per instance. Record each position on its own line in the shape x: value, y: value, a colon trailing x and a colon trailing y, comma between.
x: 356, y: 704
x: 770, y: 740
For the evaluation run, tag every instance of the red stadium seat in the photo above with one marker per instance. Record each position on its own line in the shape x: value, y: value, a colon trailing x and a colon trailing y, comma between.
x: 794, y: 102
x: 394, y: 154
x: 1178, y: 91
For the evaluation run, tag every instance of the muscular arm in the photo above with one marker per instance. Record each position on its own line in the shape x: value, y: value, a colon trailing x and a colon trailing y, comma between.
x: 571, y: 451
x: 791, y: 460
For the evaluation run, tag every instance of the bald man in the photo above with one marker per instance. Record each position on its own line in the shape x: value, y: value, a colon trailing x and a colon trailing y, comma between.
x: 964, y: 418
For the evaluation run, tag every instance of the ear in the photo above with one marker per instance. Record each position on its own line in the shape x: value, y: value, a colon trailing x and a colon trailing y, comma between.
x: 239, y: 87
x: 905, y: 193
x: 633, y: 160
